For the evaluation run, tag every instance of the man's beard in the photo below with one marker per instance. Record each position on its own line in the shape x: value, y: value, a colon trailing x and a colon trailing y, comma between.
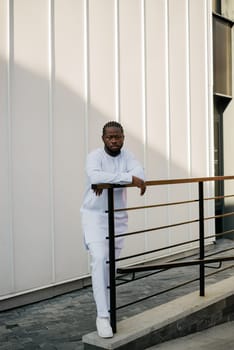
x: 112, y: 153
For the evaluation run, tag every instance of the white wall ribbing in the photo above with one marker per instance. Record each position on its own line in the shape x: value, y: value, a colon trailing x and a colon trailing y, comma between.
x: 51, y: 61
x: 30, y: 145
x: 66, y: 68
x: 69, y: 137
x: 6, y: 231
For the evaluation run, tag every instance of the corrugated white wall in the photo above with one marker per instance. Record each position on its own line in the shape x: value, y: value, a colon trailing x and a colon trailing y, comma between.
x: 66, y: 68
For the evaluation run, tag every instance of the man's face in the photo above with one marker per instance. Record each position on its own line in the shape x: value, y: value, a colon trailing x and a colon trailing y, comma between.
x: 113, y: 140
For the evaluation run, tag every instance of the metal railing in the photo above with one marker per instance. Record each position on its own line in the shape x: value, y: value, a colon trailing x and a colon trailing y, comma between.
x: 202, y: 261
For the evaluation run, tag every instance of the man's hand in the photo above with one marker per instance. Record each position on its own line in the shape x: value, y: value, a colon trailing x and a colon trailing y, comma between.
x: 98, y: 191
x: 139, y: 183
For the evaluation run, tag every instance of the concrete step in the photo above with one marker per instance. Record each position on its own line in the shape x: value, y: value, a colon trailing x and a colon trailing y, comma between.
x: 177, y: 318
x: 216, y: 338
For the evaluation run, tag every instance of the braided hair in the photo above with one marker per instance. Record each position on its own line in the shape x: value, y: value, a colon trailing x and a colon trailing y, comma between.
x: 112, y: 124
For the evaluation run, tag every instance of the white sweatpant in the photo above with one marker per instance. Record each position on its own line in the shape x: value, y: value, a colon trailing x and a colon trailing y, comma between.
x: 100, y: 275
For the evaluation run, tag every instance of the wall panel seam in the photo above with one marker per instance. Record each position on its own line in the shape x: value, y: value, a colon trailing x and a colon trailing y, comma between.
x: 209, y: 88
x: 209, y: 99
x: 117, y: 49
x: 167, y: 94
x: 86, y: 71
x: 10, y: 100
x: 144, y: 94
x: 86, y: 83
x: 188, y: 85
x: 51, y: 51
x: 167, y: 78
x: 188, y: 75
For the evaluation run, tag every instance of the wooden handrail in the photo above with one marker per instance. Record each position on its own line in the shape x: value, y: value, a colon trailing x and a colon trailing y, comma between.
x: 168, y: 182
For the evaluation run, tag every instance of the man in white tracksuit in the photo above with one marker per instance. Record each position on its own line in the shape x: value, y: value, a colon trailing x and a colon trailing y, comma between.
x: 115, y: 165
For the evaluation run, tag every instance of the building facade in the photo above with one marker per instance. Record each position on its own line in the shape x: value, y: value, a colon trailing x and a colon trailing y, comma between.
x: 67, y: 67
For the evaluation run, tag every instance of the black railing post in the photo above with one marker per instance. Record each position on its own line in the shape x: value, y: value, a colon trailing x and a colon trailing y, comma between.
x: 112, y: 258
x: 201, y: 238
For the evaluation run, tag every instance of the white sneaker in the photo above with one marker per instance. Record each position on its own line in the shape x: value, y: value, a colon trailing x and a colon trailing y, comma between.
x: 104, y: 328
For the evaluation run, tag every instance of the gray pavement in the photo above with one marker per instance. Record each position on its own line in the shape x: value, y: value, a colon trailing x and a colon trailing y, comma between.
x: 60, y: 323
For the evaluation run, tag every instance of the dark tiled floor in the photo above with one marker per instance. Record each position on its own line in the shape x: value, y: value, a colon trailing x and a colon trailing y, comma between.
x: 60, y: 323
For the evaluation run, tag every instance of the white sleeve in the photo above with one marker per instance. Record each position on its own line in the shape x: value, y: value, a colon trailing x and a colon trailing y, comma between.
x: 97, y: 176
x: 134, y: 166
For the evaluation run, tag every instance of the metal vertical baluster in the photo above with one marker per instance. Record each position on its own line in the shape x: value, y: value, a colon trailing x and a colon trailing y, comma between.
x: 112, y: 258
x: 201, y: 238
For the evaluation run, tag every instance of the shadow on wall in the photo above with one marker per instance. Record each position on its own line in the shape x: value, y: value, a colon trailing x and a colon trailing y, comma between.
x: 47, y: 129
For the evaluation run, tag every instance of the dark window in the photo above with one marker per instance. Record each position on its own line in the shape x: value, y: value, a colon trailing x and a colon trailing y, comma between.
x: 222, y: 51
x: 222, y: 73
